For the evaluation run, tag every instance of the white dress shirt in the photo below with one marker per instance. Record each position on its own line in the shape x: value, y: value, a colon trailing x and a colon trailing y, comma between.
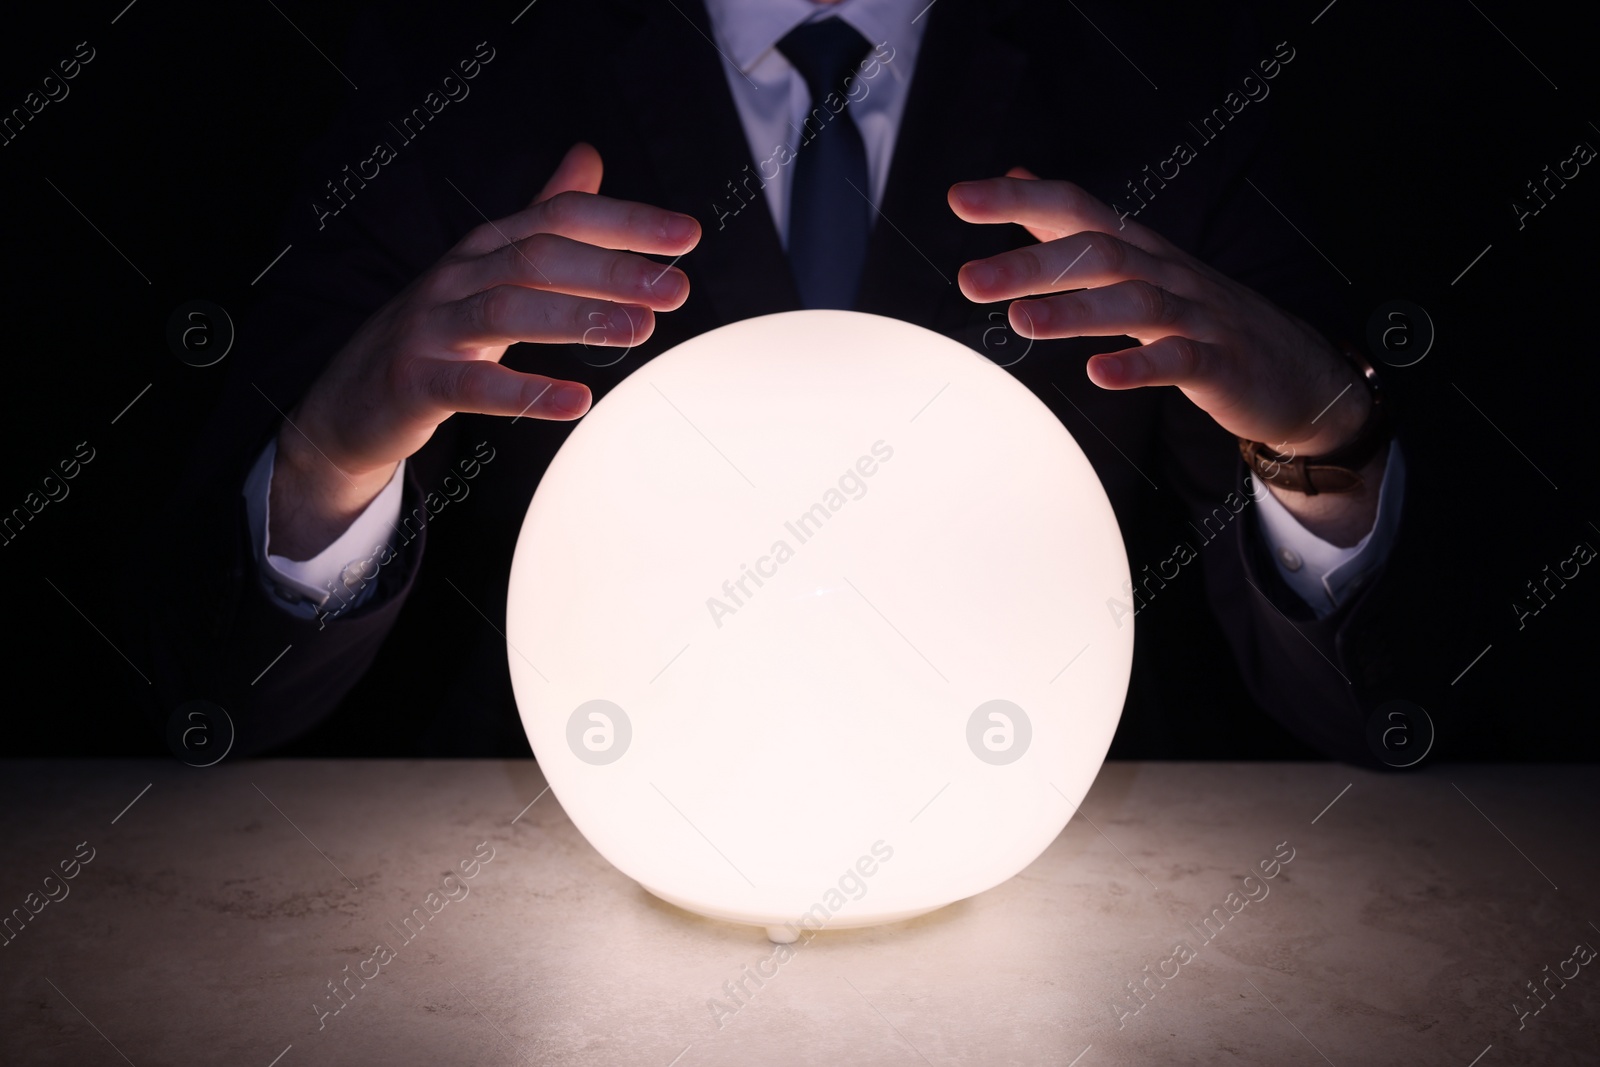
x: 772, y: 97
x: 773, y: 101
x: 1320, y: 573
x: 303, y: 587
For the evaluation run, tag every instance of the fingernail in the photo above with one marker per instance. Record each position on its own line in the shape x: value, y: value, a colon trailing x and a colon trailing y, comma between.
x: 1035, y: 314
x: 971, y: 193
x: 664, y: 282
x: 572, y: 399
x: 681, y: 228
x: 1106, y: 366
x: 982, y: 275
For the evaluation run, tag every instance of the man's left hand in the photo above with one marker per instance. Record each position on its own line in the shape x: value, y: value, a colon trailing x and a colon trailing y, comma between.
x: 1260, y: 372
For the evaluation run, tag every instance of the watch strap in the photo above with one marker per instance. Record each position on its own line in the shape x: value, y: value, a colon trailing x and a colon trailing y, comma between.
x: 1332, y: 472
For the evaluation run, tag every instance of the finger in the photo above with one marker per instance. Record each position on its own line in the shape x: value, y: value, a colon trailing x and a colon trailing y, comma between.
x: 1172, y: 360
x: 580, y: 171
x: 1037, y: 233
x: 1048, y: 209
x: 592, y: 219
x: 485, y: 387
x: 600, y: 220
x: 549, y: 261
x: 505, y: 314
x: 1135, y: 308
x: 1083, y: 259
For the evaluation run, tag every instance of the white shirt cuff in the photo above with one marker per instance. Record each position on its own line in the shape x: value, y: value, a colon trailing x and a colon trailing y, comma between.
x: 1320, y: 573
x: 340, y: 577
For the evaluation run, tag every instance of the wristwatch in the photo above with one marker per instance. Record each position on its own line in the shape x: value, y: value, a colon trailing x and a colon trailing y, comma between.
x: 1331, y: 472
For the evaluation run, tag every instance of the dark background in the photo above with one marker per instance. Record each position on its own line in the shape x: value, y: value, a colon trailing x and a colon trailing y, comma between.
x: 1413, y: 129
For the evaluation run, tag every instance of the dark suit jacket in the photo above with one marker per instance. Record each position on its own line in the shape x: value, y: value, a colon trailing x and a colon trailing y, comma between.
x: 422, y: 668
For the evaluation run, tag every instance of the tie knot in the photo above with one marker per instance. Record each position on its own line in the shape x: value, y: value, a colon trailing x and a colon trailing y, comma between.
x: 824, y: 52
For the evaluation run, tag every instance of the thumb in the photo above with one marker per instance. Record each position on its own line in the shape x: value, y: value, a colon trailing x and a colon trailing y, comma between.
x: 580, y: 171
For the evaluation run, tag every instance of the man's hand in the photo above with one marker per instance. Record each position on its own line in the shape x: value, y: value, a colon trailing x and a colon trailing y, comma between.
x: 1260, y: 372
x: 554, y: 272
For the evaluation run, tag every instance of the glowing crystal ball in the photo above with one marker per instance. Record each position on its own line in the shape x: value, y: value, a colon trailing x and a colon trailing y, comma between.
x: 808, y: 623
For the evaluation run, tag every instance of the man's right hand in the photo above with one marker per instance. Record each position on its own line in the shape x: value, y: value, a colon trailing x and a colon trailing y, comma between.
x: 554, y: 272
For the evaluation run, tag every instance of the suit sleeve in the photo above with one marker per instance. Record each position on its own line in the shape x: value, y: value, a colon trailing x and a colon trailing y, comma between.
x: 1321, y: 678
x: 196, y: 604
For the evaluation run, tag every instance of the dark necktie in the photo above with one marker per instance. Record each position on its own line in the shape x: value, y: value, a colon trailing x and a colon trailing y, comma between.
x: 829, y: 214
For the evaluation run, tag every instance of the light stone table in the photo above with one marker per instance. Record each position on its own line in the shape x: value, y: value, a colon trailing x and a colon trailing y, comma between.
x: 216, y: 906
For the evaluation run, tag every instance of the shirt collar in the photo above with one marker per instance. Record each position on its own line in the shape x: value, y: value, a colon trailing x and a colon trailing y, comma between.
x: 747, y: 31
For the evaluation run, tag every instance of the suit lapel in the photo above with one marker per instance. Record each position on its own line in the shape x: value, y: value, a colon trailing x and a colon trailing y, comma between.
x: 966, y: 77
x: 701, y: 159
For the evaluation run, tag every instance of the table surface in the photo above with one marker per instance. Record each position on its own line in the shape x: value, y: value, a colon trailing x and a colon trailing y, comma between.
x: 220, y: 903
